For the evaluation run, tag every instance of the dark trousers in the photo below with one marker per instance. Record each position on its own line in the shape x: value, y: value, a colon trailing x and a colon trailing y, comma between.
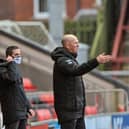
x: 20, y: 124
x: 74, y: 124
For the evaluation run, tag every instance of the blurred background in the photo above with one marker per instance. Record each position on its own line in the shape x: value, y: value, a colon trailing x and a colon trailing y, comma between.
x: 37, y: 26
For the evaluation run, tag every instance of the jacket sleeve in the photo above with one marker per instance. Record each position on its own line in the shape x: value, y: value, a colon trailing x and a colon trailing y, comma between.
x: 71, y: 67
x: 12, y: 72
x: 26, y: 99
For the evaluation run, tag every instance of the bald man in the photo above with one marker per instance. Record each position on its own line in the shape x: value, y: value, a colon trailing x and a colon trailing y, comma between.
x: 69, y: 92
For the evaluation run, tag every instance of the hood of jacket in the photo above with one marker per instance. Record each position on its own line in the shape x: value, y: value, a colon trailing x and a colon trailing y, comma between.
x: 3, y: 62
x: 61, y: 52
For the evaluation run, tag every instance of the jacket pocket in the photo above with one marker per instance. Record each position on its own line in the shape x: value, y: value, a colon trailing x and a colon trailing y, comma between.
x: 79, y: 103
x: 20, y: 104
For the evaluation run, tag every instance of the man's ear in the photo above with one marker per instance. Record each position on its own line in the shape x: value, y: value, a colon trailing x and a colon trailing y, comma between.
x: 66, y: 45
x: 9, y: 58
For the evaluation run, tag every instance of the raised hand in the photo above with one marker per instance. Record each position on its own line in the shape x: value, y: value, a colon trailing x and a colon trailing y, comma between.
x: 102, y: 58
x: 9, y: 58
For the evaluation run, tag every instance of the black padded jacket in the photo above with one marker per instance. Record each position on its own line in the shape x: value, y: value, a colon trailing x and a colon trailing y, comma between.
x: 69, y: 92
x: 14, y: 102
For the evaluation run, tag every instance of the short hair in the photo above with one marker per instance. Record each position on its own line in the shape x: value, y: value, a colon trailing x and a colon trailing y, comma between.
x: 63, y: 41
x: 10, y: 49
x: 66, y: 38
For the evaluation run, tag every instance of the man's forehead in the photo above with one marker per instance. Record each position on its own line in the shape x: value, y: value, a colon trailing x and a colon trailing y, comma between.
x: 16, y: 51
x: 69, y: 36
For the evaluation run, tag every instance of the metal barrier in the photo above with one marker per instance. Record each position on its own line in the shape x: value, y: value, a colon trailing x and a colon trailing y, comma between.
x: 47, y: 124
x: 107, y: 100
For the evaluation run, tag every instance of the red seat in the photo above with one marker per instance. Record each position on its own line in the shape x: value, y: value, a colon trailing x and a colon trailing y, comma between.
x: 43, y: 114
x: 121, y: 108
x: 47, y: 98
x: 90, y: 110
x: 28, y: 86
x: 54, y: 115
x: 43, y: 126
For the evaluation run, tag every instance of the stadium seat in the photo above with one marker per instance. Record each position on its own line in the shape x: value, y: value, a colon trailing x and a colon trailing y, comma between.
x: 90, y: 110
x: 121, y: 108
x: 28, y: 86
x: 42, y: 126
x: 54, y: 115
x: 47, y: 98
x: 43, y: 114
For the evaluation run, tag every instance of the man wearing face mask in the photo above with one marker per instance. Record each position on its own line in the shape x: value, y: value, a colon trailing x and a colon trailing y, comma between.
x: 15, y: 106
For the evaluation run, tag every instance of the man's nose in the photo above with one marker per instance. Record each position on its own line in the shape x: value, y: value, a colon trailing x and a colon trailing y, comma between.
x: 77, y: 45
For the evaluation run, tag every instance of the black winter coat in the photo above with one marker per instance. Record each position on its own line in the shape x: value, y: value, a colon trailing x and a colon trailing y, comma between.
x: 69, y: 92
x: 14, y: 103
